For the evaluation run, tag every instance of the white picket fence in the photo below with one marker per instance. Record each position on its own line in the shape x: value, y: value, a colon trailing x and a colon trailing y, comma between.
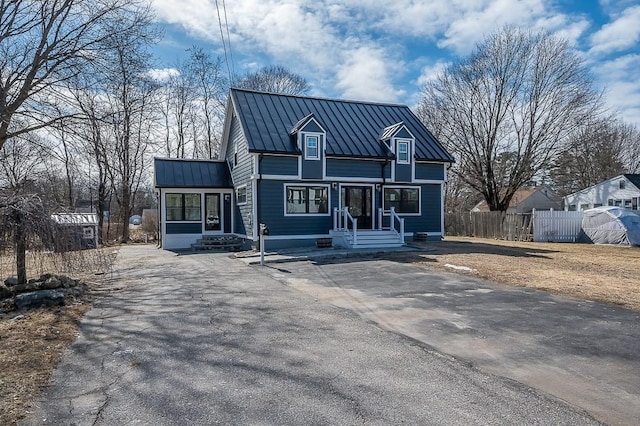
x: 556, y: 226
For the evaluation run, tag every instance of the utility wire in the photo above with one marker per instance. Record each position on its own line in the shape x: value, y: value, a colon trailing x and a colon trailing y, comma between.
x: 226, y: 23
x: 224, y: 45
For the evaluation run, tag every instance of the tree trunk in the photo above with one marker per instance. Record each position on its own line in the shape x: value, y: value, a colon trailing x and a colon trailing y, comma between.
x: 21, y: 249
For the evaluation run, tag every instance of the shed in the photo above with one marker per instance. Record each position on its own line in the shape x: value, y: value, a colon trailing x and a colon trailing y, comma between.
x: 76, y: 231
x: 612, y: 225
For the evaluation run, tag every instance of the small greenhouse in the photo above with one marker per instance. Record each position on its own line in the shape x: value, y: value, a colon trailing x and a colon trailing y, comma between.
x: 612, y: 225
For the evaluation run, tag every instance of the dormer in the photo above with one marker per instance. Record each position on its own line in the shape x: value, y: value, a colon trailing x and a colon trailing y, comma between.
x: 310, y: 138
x: 401, y: 142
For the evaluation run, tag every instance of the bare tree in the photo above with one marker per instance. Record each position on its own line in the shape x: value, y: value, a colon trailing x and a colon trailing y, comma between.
x: 130, y: 96
x: 275, y: 79
x: 594, y: 152
x: 44, y: 44
x: 505, y: 110
x: 210, y: 88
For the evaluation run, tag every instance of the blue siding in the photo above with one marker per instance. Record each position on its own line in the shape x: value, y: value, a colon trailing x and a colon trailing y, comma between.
x: 241, y: 175
x: 312, y: 127
x: 403, y: 172
x: 403, y: 133
x: 272, y: 213
x: 184, y: 228
x: 429, y: 171
x: 279, y: 165
x: 431, y: 208
x: 357, y: 168
x: 312, y: 169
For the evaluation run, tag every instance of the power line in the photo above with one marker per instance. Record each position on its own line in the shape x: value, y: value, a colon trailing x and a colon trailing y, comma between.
x: 226, y: 23
x: 224, y: 45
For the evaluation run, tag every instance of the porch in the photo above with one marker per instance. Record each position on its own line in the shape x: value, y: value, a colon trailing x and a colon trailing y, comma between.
x: 388, y: 233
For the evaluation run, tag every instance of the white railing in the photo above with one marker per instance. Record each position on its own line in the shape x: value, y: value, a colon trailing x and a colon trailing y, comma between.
x: 393, y: 216
x: 341, y: 219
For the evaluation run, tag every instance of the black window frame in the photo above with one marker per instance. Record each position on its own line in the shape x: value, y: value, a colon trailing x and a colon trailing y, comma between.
x: 404, y: 200
x: 183, y: 207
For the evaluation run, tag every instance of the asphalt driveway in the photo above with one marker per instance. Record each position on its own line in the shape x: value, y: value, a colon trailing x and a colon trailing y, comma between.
x: 582, y: 352
x: 204, y: 339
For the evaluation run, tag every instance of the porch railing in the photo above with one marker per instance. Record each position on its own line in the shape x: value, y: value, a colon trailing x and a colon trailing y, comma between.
x: 393, y: 217
x: 341, y: 220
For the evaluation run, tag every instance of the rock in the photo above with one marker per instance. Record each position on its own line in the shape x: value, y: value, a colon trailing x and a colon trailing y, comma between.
x: 52, y: 283
x: 39, y: 298
x: 68, y: 282
x: 45, y: 277
x: 5, y: 292
x: 11, y: 281
x: 30, y: 286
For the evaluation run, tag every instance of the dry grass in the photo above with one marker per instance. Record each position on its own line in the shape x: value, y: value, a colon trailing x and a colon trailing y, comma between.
x: 30, y: 348
x: 609, y: 274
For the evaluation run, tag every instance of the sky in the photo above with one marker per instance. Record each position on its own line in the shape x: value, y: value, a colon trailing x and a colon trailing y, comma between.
x: 385, y: 51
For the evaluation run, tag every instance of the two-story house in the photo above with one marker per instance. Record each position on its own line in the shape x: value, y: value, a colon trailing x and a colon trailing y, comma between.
x: 363, y: 174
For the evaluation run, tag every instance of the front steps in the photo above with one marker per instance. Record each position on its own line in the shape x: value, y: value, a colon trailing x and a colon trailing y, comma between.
x: 218, y: 243
x: 367, y: 238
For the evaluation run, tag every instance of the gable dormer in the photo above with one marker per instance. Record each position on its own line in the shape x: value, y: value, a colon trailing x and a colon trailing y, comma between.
x: 402, y: 143
x: 310, y: 138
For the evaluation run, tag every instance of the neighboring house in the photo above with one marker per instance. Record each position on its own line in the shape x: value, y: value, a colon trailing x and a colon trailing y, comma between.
x: 309, y: 168
x: 75, y: 231
x: 526, y: 199
x: 620, y: 191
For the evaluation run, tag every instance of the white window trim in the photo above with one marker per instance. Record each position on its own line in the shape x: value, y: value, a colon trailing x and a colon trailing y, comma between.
x: 419, y: 188
x: 307, y: 185
x: 245, y: 195
x: 406, y: 142
x: 318, y: 138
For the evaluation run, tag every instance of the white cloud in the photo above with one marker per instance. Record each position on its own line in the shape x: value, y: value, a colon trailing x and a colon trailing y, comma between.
x: 620, y: 34
x: 430, y: 72
x: 621, y: 79
x: 364, y: 76
x: 162, y: 74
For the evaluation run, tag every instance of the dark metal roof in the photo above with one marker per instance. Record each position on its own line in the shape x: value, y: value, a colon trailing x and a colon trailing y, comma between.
x: 634, y: 179
x: 180, y: 173
x: 353, y: 128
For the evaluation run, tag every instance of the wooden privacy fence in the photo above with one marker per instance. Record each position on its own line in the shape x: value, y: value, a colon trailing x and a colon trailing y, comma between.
x: 539, y: 226
x: 500, y: 225
x: 556, y: 226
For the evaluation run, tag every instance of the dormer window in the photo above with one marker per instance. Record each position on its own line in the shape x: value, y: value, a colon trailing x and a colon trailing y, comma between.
x: 622, y: 184
x: 402, y: 155
x: 311, y: 151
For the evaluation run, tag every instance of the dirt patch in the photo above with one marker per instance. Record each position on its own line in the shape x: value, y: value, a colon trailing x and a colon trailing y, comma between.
x: 609, y: 274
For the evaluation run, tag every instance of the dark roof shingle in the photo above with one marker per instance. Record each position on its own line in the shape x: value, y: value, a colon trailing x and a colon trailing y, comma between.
x: 181, y: 173
x: 353, y: 128
x: 634, y: 179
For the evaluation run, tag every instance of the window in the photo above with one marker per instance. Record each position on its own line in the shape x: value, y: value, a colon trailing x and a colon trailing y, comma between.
x: 235, y: 154
x: 183, y: 207
x: 212, y: 212
x: 307, y: 200
x: 405, y: 200
x: 312, y: 150
x: 597, y: 205
x: 572, y: 208
x: 622, y: 184
x: 403, y: 152
x: 241, y: 195
x: 584, y: 206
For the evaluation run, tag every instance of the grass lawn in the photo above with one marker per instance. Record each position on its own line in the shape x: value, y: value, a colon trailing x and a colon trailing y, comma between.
x: 609, y: 274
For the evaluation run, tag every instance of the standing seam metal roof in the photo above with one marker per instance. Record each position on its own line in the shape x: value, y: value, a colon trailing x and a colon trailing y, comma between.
x: 181, y: 173
x: 353, y: 127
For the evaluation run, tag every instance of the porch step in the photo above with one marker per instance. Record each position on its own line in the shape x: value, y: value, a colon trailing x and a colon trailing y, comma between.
x: 369, y: 239
x: 218, y: 243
